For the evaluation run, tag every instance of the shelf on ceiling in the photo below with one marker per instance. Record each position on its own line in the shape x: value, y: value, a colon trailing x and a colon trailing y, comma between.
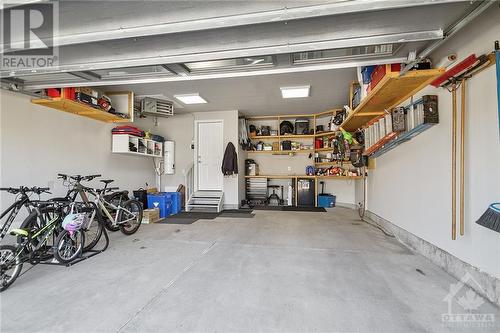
x: 80, y: 109
x: 391, y: 91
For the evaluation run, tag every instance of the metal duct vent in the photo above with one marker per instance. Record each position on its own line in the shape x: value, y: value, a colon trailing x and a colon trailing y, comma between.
x: 156, y: 107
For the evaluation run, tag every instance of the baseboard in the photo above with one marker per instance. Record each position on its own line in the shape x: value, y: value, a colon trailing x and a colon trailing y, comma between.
x: 230, y: 206
x: 489, y: 286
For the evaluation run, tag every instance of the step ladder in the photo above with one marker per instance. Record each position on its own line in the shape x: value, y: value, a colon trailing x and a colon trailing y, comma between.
x: 206, y: 201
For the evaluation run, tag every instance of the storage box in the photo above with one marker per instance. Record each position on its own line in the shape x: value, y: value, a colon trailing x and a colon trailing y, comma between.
x: 176, y: 202
x: 326, y: 200
x: 150, y: 215
x: 163, y: 201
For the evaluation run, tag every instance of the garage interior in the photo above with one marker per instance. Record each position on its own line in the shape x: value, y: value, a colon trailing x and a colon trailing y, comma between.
x: 290, y: 166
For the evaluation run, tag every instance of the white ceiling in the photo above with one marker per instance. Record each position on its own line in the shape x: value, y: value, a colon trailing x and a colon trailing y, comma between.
x: 258, y: 95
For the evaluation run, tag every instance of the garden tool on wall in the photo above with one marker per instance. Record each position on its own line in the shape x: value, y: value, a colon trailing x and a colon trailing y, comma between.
x: 452, y: 79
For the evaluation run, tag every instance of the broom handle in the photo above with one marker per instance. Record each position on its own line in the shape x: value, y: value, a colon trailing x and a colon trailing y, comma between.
x: 462, y: 157
x: 454, y: 163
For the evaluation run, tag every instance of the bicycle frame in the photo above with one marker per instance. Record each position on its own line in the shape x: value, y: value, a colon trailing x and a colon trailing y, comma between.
x: 14, y: 210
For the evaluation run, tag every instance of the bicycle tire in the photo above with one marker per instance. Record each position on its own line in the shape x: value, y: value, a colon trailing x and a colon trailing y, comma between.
x: 93, y: 233
x: 59, y: 243
x: 17, y: 270
x: 117, y: 199
x: 130, y: 228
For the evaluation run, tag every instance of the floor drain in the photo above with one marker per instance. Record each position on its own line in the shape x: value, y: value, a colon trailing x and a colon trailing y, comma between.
x: 420, y: 271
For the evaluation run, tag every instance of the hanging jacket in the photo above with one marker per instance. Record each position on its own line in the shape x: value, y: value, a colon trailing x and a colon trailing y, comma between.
x: 230, y: 161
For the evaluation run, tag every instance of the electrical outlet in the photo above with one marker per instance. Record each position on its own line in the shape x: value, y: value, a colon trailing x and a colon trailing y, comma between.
x: 289, y: 168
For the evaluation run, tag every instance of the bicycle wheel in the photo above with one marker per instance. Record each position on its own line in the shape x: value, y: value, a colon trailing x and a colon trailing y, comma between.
x: 69, y: 247
x: 130, y: 217
x: 10, y: 266
x: 116, y: 199
x: 93, y: 231
x: 34, y: 222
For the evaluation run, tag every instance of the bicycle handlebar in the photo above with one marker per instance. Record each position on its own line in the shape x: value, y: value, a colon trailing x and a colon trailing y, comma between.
x: 24, y: 189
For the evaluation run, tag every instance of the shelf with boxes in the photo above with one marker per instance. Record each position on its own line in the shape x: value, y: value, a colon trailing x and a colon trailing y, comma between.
x: 386, y: 90
x: 110, y: 107
x: 400, y: 125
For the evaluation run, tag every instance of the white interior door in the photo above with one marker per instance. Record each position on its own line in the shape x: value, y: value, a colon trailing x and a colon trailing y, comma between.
x: 210, y: 153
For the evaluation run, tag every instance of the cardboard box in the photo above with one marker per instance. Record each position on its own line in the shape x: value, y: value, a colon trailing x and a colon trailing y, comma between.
x: 151, y: 215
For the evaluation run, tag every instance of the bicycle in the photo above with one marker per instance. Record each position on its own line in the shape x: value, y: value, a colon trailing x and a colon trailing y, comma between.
x: 42, y: 224
x: 127, y: 215
x: 14, y: 209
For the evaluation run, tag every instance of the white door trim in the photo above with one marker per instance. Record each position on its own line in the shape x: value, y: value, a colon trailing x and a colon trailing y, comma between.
x: 195, y: 157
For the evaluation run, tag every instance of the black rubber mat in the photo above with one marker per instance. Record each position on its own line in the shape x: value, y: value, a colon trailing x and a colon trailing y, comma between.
x: 268, y: 208
x: 178, y: 220
x: 195, y: 215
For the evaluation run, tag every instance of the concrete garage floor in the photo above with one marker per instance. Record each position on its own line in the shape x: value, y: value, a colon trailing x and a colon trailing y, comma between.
x: 277, y: 272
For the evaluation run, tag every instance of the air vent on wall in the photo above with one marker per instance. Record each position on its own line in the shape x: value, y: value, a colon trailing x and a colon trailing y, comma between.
x: 156, y: 107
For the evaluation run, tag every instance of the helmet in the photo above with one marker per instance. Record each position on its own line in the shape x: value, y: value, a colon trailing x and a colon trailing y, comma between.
x: 286, y: 127
x: 73, y: 222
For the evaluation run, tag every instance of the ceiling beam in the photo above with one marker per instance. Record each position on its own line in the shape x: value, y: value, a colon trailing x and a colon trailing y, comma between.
x: 270, y: 71
x: 281, y: 48
x: 284, y: 14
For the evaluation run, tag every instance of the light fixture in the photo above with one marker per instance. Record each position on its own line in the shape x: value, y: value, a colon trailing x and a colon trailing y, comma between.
x: 191, y: 98
x: 295, y: 92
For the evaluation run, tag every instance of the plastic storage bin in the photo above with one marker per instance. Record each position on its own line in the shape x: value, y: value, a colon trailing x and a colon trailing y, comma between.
x: 326, y: 200
x: 163, y: 201
x: 176, y: 202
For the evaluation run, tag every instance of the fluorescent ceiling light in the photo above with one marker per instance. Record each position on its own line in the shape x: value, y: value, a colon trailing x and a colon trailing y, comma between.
x: 295, y: 92
x: 191, y: 98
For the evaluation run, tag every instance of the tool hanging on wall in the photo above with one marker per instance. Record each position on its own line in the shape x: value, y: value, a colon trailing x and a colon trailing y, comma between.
x: 452, y: 79
x: 491, y: 217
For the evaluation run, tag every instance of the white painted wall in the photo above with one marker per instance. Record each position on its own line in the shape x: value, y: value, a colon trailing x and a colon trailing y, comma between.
x: 411, y: 185
x: 37, y: 143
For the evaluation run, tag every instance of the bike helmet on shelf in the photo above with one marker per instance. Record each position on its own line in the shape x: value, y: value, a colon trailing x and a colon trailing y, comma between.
x: 286, y: 127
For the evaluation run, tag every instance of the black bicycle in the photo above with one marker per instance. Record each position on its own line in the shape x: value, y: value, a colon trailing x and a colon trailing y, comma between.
x: 35, y: 240
x: 22, y: 199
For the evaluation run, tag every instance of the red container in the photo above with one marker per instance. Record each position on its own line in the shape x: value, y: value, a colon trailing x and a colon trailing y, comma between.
x: 380, y: 71
x: 69, y: 93
x: 54, y: 92
x: 318, y: 143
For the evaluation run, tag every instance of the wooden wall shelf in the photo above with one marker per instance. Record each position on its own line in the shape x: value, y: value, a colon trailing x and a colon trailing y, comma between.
x: 391, y: 91
x: 332, y: 163
x: 279, y: 152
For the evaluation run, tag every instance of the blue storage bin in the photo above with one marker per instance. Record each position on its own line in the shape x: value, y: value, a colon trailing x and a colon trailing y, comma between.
x: 176, y: 202
x: 163, y: 201
x: 326, y: 200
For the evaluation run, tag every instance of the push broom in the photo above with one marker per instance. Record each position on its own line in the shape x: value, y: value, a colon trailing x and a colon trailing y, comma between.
x: 491, y: 218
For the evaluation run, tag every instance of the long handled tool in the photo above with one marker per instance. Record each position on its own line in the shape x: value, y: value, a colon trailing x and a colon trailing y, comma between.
x: 454, y: 162
x: 491, y: 218
x: 462, y: 155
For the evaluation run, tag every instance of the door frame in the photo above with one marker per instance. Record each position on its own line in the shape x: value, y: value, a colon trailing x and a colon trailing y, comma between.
x: 195, y: 156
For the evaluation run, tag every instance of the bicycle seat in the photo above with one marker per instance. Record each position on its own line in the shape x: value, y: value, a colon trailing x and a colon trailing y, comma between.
x: 19, y: 232
x: 107, y: 181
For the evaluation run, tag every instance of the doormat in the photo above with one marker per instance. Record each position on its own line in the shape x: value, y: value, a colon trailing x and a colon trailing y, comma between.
x: 268, y: 208
x: 196, y: 215
x: 178, y: 220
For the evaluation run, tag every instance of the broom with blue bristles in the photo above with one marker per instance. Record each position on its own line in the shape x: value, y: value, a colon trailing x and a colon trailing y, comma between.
x: 491, y: 217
